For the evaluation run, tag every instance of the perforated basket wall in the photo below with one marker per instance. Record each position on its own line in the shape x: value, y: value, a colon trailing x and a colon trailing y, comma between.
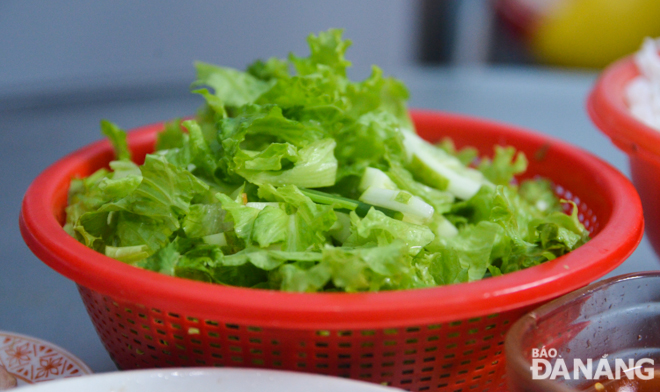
x: 463, y: 355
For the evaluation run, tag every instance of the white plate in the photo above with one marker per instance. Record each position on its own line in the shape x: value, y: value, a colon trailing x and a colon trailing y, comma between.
x: 33, y: 360
x: 207, y: 379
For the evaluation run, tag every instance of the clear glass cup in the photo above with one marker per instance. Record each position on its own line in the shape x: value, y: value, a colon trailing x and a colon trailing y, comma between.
x: 612, y: 323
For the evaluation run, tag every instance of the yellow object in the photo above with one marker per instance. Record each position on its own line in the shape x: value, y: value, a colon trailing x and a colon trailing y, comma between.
x: 593, y: 33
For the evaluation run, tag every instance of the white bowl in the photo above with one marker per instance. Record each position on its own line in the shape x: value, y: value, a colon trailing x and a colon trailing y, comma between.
x: 206, y: 379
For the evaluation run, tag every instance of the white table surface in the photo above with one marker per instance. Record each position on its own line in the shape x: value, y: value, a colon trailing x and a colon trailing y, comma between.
x: 35, y: 300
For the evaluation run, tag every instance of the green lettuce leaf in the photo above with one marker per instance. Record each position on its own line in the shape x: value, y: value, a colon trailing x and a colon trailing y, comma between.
x: 172, y: 136
x: 539, y: 193
x: 315, y: 166
x: 232, y: 87
x: 506, y: 163
x: 328, y: 49
x: 164, y: 193
x: 377, y: 229
x: 118, y: 139
x: 467, y: 256
x: 250, y: 137
x: 273, y: 68
x: 243, y: 217
x: 270, y: 226
x: 205, y: 219
x: 307, y: 223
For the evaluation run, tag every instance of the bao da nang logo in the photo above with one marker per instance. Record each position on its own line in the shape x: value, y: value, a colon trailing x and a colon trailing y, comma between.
x: 547, y: 364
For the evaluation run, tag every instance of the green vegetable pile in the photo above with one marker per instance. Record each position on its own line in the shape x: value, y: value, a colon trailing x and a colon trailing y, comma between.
x: 306, y: 181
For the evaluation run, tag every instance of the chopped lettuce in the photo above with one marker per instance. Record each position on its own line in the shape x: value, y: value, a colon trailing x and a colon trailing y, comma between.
x: 292, y: 177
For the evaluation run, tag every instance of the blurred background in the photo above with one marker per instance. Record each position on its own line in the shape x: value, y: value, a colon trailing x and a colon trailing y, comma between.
x: 66, y: 64
x: 67, y: 50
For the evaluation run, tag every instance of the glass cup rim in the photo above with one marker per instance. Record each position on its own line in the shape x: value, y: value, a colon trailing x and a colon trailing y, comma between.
x: 518, y: 364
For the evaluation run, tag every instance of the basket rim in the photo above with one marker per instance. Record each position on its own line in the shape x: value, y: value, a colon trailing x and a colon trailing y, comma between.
x: 610, y: 247
x: 608, y: 109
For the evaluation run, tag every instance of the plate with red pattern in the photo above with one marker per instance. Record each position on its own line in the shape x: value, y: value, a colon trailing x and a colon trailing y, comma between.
x: 31, y: 360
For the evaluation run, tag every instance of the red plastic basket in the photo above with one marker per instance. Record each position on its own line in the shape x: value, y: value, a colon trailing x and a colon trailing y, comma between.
x: 609, y: 111
x: 444, y: 338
